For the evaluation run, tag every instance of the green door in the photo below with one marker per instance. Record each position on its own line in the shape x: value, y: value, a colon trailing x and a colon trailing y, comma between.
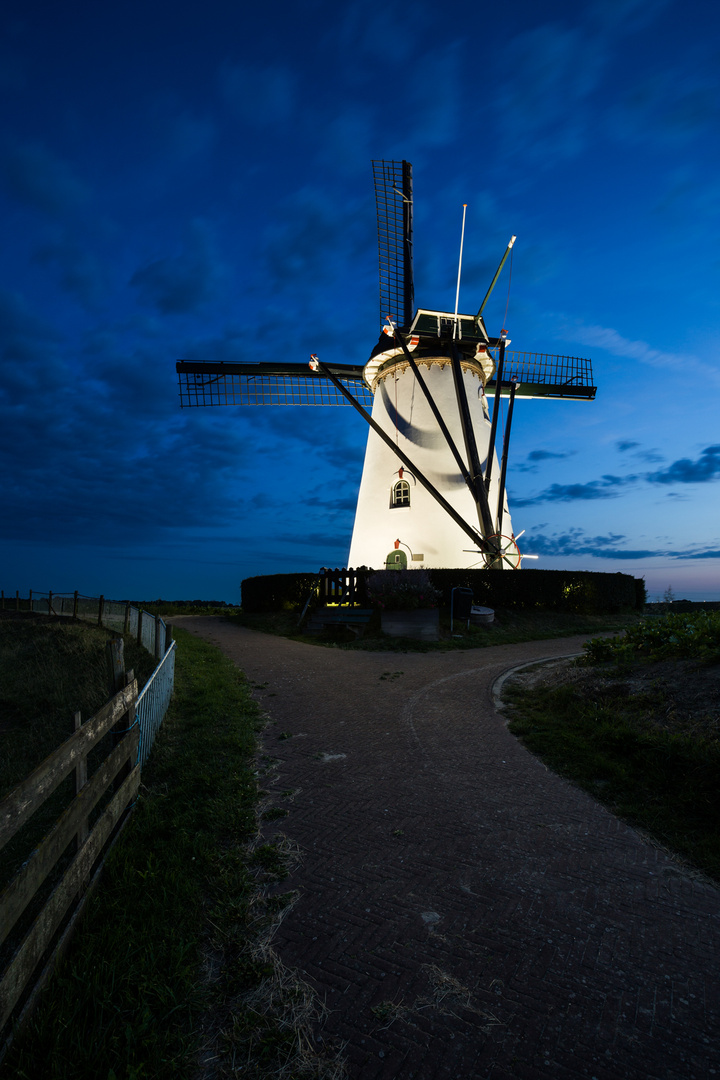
x: 396, y: 560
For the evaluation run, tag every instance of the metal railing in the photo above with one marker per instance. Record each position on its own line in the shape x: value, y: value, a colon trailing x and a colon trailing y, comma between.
x: 153, y: 702
x: 149, y: 631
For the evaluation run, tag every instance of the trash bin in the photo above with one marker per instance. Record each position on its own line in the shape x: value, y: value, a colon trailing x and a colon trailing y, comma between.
x: 461, y: 602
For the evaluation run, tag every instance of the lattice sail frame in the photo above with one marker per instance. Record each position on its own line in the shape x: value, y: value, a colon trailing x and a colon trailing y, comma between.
x: 203, y: 384
x: 393, y: 199
x: 233, y: 388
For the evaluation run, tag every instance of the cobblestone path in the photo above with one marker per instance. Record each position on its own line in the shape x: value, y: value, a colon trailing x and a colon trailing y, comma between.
x: 464, y: 912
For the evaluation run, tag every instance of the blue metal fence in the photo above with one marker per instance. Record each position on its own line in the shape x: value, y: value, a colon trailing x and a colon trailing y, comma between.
x: 149, y: 630
x: 153, y: 702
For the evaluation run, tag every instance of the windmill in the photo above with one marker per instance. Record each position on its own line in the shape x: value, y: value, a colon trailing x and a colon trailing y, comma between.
x: 431, y: 479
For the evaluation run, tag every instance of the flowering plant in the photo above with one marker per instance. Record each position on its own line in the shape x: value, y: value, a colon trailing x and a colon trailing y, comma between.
x: 402, y: 590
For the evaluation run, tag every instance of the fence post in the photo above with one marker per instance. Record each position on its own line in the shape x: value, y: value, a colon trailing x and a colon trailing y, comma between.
x: 116, y: 665
x: 168, y: 636
x: 101, y: 605
x: 126, y: 624
x: 139, y: 626
x: 50, y: 607
x: 159, y: 638
x: 130, y: 718
x: 75, y: 604
x: 30, y: 600
x: 80, y: 782
x: 2, y: 600
x: 17, y: 599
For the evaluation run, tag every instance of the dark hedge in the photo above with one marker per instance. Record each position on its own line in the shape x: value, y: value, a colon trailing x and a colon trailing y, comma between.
x: 276, y: 592
x: 578, y: 592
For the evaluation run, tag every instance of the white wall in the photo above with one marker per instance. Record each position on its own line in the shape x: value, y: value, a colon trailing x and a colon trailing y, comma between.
x: 401, y: 410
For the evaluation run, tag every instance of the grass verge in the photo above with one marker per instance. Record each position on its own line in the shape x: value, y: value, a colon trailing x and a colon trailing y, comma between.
x: 623, y: 748
x: 172, y: 974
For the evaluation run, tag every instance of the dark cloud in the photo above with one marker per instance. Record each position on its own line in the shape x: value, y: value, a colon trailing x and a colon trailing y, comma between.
x: 260, y: 94
x: 596, y: 489
x: 543, y: 455
x: 652, y: 457
x: 93, y: 449
x: 685, y: 471
x: 708, y: 553
x: 32, y: 370
x: 539, y: 455
x: 179, y: 284
x: 626, y: 16
x: 187, y: 135
x: 323, y: 541
x: 345, y: 504
x: 80, y: 273
x: 314, y: 237
x: 552, y: 64
x: 669, y: 107
x: 576, y: 542
x: 40, y: 180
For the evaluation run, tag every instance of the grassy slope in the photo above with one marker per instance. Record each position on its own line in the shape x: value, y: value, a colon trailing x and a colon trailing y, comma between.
x: 49, y: 669
x: 609, y: 742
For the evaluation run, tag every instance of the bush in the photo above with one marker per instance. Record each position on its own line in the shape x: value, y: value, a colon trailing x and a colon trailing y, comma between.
x: 402, y: 590
x: 693, y: 636
x: 276, y: 592
x: 573, y: 592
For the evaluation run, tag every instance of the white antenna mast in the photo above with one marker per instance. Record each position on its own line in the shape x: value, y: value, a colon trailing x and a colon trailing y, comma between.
x: 457, y: 292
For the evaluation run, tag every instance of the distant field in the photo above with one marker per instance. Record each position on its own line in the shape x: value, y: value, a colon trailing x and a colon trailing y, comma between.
x: 186, y: 607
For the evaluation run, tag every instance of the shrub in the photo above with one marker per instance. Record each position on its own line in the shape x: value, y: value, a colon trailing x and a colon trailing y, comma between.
x: 693, y: 636
x: 402, y: 590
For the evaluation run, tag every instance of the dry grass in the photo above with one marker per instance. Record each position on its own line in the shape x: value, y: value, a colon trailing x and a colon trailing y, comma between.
x: 446, y: 996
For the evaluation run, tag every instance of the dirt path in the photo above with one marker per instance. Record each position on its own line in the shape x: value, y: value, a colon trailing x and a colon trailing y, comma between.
x: 463, y: 911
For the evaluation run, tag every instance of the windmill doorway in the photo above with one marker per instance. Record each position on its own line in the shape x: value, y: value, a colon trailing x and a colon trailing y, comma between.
x: 396, y: 560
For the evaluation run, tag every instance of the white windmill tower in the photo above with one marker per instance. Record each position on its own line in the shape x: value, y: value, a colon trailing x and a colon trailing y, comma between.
x: 432, y: 492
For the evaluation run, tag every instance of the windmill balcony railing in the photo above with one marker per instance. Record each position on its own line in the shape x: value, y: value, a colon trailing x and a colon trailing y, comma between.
x: 571, y: 374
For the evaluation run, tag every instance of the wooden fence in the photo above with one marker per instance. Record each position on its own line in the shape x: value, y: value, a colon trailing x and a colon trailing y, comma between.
x: 342, y: 586
x: 34, y: 932
x: 40, y: 944
x: 119, y: 615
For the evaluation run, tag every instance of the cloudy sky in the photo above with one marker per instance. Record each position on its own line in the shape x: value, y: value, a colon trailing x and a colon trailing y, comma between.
x: 194, y: 180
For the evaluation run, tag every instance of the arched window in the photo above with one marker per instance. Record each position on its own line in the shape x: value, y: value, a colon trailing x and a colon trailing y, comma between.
x: 400, y: 494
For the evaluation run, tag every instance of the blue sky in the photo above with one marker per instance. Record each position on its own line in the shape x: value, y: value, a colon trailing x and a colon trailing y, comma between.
x: 194, y: 180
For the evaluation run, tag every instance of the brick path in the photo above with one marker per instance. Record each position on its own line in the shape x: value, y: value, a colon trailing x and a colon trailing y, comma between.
x: 464, y: 912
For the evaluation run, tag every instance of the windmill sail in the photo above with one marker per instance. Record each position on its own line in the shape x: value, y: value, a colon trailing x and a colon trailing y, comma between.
x: 393, y: 197
x: 208, y: 383
x: 266, y: 384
